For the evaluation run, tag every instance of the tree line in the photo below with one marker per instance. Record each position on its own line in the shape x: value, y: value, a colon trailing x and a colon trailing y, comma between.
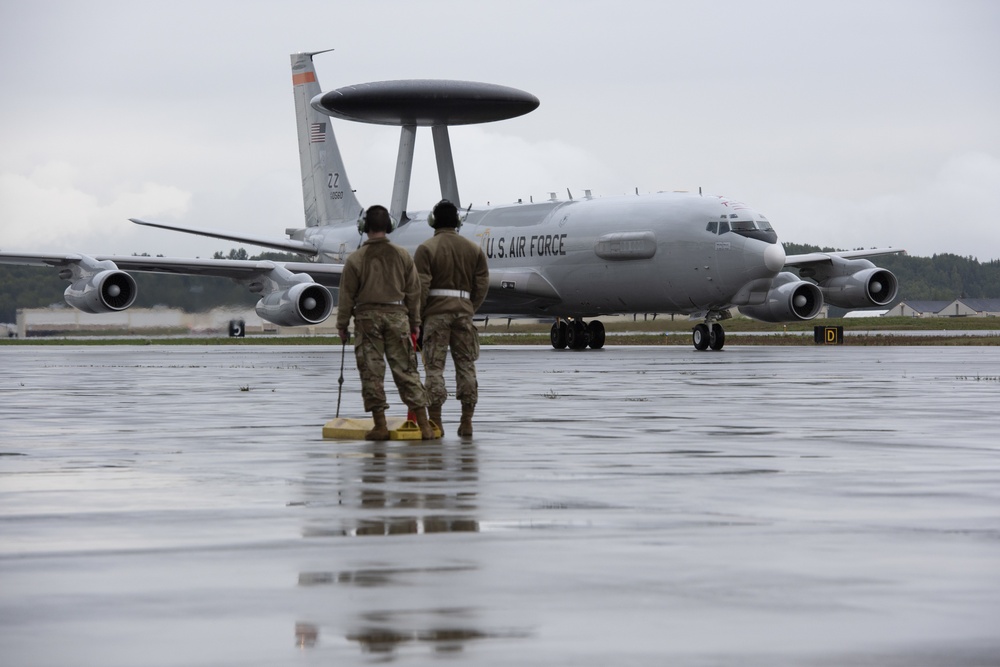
x: 937, y: 278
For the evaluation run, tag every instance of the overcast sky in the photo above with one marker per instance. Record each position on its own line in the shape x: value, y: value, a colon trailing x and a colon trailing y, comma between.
x: 849, y: 124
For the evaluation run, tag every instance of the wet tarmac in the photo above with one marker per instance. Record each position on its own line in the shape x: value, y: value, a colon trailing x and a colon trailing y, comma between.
x: 630, y: 506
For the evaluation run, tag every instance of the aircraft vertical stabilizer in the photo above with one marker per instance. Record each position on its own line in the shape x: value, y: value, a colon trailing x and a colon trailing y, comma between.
x: 326, y: 191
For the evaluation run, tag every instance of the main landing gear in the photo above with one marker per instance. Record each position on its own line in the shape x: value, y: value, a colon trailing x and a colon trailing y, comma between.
x: 708, y: 335
x: 577, y: 334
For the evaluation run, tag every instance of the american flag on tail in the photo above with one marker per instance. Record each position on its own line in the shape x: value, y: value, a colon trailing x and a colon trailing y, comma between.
x: 317, y: 133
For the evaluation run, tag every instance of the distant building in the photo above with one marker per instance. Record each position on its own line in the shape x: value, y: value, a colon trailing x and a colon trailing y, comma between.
x: 956, y: 308
x: 972, y: 308
x: 916, y: 309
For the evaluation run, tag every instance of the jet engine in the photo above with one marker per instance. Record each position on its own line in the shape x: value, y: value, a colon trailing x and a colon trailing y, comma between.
x: 789, y: 299
x: 302, y: 304
x: 104, y: 291
x: 854, y: 283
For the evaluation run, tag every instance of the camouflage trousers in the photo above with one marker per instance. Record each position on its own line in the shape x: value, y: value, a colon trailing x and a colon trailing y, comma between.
x: 457, y: 332
x: 380, y: 336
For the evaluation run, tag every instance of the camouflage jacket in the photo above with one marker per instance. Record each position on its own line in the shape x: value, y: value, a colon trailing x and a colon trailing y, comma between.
x: 379, y: 275
x: 450, y: 262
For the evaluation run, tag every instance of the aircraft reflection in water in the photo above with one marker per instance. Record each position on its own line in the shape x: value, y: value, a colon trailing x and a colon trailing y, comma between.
x: 397, y: 494
x: 571, y: 261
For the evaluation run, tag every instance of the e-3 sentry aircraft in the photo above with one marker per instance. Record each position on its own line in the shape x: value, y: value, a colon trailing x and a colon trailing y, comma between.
x: 571, y: 260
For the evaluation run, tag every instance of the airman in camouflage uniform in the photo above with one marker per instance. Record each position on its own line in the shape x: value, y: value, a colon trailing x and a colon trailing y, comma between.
x: 454, y: 279
x: 380, y: 287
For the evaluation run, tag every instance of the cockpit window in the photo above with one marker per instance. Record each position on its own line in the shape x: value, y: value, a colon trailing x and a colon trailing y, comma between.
x: 713, y: 227
x: 741, y: 226
x: 748, y: 225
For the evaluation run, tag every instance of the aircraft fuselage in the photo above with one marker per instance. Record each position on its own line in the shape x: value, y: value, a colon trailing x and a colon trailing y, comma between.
x: 589, y: 257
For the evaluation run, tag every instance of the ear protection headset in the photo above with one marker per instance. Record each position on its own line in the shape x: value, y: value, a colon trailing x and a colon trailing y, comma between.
x: 363, y: 222
x: 461, y: 218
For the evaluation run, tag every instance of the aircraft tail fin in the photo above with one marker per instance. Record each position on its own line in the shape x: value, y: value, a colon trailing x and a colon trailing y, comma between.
x: 326, y: 191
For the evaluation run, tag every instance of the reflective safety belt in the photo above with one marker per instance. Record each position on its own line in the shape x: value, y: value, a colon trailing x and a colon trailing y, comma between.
x: 462, y: 294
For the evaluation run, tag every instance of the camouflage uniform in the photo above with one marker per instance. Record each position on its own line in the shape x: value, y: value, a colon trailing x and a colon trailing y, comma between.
x: 454, y: 279
x: 380, y: 287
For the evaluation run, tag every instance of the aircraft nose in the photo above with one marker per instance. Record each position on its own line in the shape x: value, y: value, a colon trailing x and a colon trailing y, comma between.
x: 774, y: 257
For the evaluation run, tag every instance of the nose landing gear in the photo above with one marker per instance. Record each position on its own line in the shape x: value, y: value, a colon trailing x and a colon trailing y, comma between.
x: 707, y: 336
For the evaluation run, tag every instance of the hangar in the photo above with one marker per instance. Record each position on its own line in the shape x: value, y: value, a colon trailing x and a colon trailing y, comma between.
x: 958, y: 308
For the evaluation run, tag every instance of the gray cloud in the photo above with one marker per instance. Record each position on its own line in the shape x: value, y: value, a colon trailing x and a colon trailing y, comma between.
x: 849, y: 124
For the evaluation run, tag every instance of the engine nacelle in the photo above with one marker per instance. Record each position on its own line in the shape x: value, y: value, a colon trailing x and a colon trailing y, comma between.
x: 301, y: 304
x: 102, y: 292
x: 789, y: 299
x: 863, y: 289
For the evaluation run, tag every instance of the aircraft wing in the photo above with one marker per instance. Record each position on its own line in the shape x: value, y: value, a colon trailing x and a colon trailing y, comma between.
x: 289, y: 245
x: 816, y: 258
x: 51, y: 260
x: 327, y: 275
x: 291, y: 293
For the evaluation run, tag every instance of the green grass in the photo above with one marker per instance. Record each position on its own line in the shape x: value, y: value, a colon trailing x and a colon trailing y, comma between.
x: 741, y: 324
x: 640, y: 332
x: 652, y: 332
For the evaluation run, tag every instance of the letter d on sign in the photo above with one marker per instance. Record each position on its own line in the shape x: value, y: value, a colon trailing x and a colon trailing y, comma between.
x: 828, y: 335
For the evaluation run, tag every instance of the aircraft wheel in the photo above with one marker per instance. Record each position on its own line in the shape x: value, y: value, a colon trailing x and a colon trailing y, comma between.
x: 596, y: 330
x: 576, y: 335
x: 717, y: 337
x: 558, y: 335
x: 700, y: 337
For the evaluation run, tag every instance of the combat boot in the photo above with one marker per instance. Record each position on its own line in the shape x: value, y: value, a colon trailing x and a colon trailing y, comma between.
x: 434, y: 414
x: 465, y: 426
x: 381, y: 430
x: 426, y: 430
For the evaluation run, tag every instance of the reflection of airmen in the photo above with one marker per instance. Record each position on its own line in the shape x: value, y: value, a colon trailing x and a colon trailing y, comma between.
x: 418, y: 491
x: 454, y: 278
x: 306, y: 635
x: 379, y: 286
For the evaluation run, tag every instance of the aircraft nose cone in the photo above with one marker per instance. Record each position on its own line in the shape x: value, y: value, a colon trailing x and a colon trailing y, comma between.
x: 774, y: 257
